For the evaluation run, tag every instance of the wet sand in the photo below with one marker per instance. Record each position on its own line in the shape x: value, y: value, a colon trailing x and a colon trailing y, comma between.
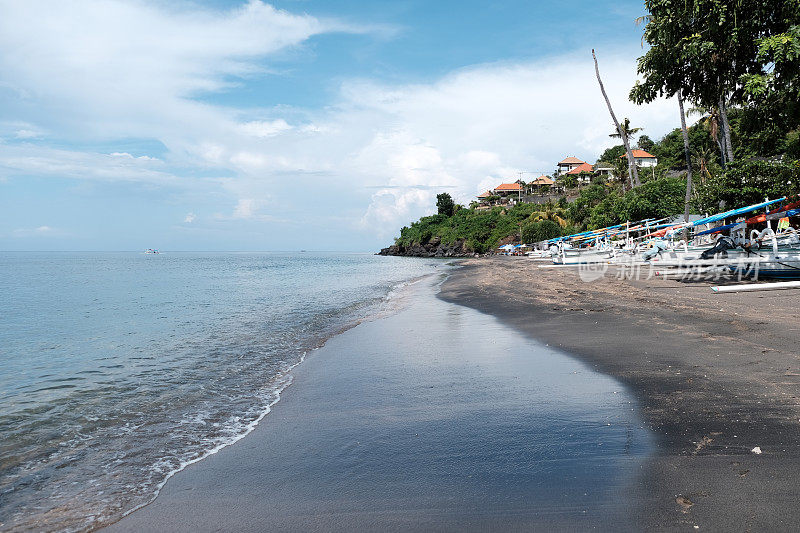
x: 716, y: 375
x: 434, y: 418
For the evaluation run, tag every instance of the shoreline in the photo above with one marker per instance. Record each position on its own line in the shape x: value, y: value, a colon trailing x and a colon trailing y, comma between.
x: 428, y: 431
x: 392, y: 302
x: 716, y: 376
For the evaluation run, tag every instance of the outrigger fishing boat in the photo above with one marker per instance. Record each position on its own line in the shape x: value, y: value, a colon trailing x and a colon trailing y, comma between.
x: 765, y: 252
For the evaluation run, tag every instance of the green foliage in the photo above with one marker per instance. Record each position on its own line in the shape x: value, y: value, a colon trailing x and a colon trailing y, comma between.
x: 776, y: 91
x: 580, y: 210
x: 646, y: 143
x: 598, y: 207
x: 747, y: 182
x: 445, y: 204
x: 541, y: 230
x: 569, y: 181
x: 613, y: 153
x: 482, y: 230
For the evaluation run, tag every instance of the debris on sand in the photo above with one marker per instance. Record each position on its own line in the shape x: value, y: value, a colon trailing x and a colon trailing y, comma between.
x: 684, y: 502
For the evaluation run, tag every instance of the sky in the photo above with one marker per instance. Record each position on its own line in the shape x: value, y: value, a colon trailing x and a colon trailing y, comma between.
x: 296, y: 124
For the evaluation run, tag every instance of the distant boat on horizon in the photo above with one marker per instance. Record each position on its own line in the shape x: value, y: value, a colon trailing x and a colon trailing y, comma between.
x: 151, y: 251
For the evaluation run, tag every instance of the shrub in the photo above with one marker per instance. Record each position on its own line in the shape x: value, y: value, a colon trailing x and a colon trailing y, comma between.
x: 747, y: 182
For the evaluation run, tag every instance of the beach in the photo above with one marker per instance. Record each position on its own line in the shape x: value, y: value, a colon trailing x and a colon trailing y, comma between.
x: 717, y: 375
x: 515, y: 398
x: 430, y: 417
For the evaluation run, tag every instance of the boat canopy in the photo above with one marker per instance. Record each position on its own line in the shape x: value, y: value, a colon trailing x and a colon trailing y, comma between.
x: 734, y: 212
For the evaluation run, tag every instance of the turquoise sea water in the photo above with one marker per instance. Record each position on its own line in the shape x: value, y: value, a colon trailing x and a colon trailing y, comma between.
x: 117, y: 369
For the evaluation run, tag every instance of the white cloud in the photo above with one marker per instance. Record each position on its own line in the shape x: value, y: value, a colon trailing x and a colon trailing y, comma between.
x: 132, y: 69
x: 246, y: 208
x: 26, y: 134
x: 479, y: 126
x: 189, y: 218
x: 28, y: 159
x: 40, y: 231
x: 126, y: 155
x: 263, y: 129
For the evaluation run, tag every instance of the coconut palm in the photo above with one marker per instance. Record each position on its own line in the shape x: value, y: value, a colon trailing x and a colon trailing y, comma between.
x: 625, y: 126
x: 623, y: 135
x: 551, y: 212
x: 711, y: 123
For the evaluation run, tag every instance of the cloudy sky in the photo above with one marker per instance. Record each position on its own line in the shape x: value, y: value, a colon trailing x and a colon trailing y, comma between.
x: 296, y: 124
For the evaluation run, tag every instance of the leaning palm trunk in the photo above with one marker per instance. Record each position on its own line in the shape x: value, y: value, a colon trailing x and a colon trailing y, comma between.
x: 726, y: 129
x: 634, y: 172
x: 688, y: 156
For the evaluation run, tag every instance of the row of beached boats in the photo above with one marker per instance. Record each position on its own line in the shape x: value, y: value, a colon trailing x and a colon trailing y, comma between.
x: 743, y: 241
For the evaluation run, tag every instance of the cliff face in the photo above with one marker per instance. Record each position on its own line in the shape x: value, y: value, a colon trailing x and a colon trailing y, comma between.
x: 433, y: 248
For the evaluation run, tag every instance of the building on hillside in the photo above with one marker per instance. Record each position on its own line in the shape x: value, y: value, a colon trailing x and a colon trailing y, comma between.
x: 508, y: 189
x: 484, y: 195
x: 542, y: 181
x: 606, y: 170
x: 583, y: 172
x: 569, y: 164
x: 642, y: 158
x: 541, y: 184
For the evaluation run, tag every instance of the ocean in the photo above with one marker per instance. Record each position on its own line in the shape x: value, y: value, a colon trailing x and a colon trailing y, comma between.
x: 119, y: 369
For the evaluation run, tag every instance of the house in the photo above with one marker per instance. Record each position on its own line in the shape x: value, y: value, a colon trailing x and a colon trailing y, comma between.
x: 580, y: 171
x: 606, y: 170
x: 484, y: 195
x: 507, y: 189
x: 569, y: 164
x: 642, y: 158
x: 542, y: 181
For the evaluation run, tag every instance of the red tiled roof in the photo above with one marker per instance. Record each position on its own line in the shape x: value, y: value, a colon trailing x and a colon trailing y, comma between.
x: 508, y: 187
x: 543, y: 180
x: 639, y: 153
x: 571, y: 160
x: 585, y: 167
x: 486, y: 194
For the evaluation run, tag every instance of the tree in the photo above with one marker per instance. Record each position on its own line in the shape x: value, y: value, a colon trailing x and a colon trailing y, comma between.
x: 445, y: 204
x: 711, y: 122
x: 568, y: 180
x: 613, y: 153
x: 773, y: 97
x: 622, y: 133
x: 542, y: 230
x: 687, y: 154
x: 748, y: 182
x: 625, y: 126
x: 646, y: 143
x: 709, y: 50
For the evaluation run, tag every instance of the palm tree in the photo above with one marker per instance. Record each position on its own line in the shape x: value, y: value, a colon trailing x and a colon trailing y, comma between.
x: 702, y: 158
x: 626, y: 127
x: 551, y: 212
x: 711, y: 123
x: 623, y: 135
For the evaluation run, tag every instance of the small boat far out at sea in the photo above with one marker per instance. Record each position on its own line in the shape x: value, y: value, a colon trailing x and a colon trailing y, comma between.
x: 151, y: 251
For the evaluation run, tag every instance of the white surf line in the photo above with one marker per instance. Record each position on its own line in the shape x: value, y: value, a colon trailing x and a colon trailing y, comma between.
x: 283, y: 380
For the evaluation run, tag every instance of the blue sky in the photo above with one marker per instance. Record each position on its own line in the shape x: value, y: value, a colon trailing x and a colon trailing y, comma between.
x: 320, y: 125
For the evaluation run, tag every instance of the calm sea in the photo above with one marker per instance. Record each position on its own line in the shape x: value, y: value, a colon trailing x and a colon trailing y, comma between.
x: 118, y: 369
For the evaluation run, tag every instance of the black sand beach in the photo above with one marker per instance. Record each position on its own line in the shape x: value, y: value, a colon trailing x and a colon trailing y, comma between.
x: 437, y: 418
x: 716, y: 374
x: 441, y: 418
